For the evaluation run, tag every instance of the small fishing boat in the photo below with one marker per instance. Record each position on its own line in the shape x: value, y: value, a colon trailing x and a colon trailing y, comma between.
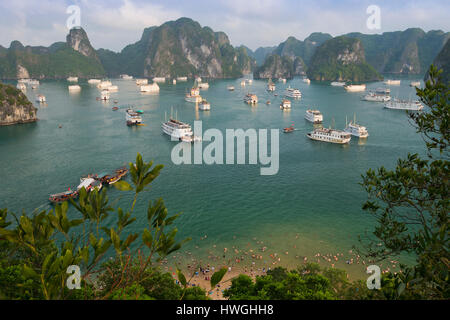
x: 63, y: 196
x: 115, y: 108
x: 89, y: 183
x: 289, y: 129
x: 111, y: 179
x: 204, y: 105
x: 230, y: 88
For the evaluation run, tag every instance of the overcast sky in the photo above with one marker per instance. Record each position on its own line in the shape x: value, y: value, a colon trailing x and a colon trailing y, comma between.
x: 113, y: 24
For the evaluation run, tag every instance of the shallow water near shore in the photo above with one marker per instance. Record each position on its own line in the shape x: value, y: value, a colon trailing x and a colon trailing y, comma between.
x: 312, y: 205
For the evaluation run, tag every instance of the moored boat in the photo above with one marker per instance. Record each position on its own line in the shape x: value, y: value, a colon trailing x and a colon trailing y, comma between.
x: 356, y: 129
x: 330, y: 135
x: 251, y: 99
x: 204, y: 105
x: 152, y: 88
x: 40, y: 98
x: 285, y: 104
x: 193, y: 95
x: 63, y: 196
x: 398, y: 104
x: 89, y: 183
x: 313, y: 116
x: 132, y: 117
x: 292, y: 93
x: 377, y: 97
x: 338, y: 83
x: 355, y: 87
x: 392, y: 82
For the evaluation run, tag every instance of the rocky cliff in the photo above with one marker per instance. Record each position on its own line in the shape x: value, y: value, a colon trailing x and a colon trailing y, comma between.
x: 75, y: 57
x: 341, y: 58
x: 409, y: 52
x: 15, y: 107
x: 442, y: 62
x: 179, y: 48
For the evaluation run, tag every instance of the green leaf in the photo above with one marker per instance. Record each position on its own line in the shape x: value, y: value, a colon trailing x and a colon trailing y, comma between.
x: 123, y: 186
x: 217, y: 277
x: 181, y: 277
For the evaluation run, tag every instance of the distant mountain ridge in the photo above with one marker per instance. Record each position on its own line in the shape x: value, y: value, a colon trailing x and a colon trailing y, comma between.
x: 442, y: 61
x: 179, y: 48
x: 185, y: 48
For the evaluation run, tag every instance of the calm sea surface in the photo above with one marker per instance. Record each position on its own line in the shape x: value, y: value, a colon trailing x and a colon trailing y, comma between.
x: 312, y: 205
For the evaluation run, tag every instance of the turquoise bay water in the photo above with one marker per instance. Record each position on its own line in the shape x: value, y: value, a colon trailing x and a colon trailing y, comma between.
x: 313, y: 203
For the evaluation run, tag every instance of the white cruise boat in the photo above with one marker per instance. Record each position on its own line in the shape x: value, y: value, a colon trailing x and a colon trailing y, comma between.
x: 193, y: 95
x: 330, y: 135
x: 181, y: 78
x: 40, y: 98
x: 72, y: 79
x: 230, y: 88
x: 414, y: 84
x: 383, y: 90
x: 404, y: 105
x: 338, y: 83
x: 74, y: 88
x: 140, y: 82
x: 392, y: 82
x: 132, y: 117
x: 251, y: 98
x: 126, y: 77
x: 249, y: 81
x: 198, y: 79
x: 282, y: 80
x: 377, y: 97
x: 159, y: 79
x: 243, y: 83
x: 203, y: 85
x: 355, y: 87
x: 285, y: 104
x: 179, y: 130
x: 306, y: 80
x: 104, y: 95
x: 94, y: 81
x: 153, y: 88
x: 174, y: 81
x: 21, y: 86
x: 292, y: 93
x: 271, y: 86
x: 113, y: 88
x: 89, y: 184
x: 313, y: 116
x: 34, y: 82
x: 204, y: 105
x: 355, y: 129
x: 104, y: 84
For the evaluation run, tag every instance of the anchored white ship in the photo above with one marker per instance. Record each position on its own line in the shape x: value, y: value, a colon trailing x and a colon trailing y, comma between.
x: 104, y: 95
x: 355, y: 129
x: 40, y: 98
x: 230, y: 88
x: 181, y: 78
x: 72, y: 79
x: 126, y: 77
x: 159, y: 79
x: 338, y: 83
x: 414, y: 84
x: 21, y: 86
x: 74, y: 88
x: 377, y: 97
x: 104, y: 84
x: 355, y: 87
x: 154, y: 88
x: 285, y: 105
x: 392, y: 82
x: 94, y: 81
x: 404, y: 105
x: 383, y: 90
x: 204, y: 105
x: 203, y: 85
x: 251, y: 98
x: 179, y: 130
x: 313, y: 116
x: 306, y: 80
x: 193, y: 95
x: 140, y: 82
x: 330, y: 135
x: 293, y: 93
x: 271, y: 86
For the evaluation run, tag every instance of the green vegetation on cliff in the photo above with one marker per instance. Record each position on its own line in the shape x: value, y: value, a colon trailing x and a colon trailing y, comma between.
x: 15, y: 106
x: 341, y: 58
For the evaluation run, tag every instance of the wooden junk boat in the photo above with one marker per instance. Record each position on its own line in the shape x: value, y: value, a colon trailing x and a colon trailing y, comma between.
x: 111, y: 179
x: 63, y: 196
